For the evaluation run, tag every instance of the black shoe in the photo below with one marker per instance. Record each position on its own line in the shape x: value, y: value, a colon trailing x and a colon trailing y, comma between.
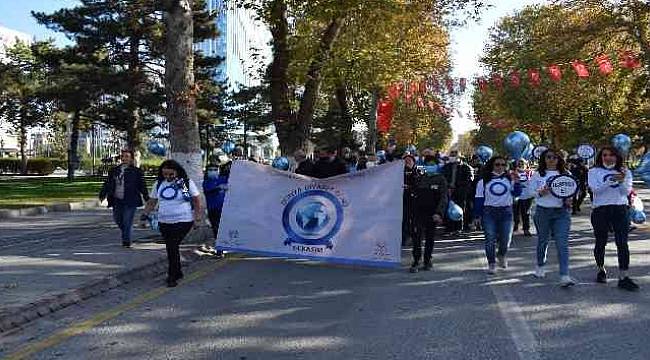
x: 126, y: 244
x: 171, y: 283
x: 601, y: 277
x: 180, y: 276
x: 413, y: 269
x: 427, y: 267
x: 627, y: 284
x: 527, y: 233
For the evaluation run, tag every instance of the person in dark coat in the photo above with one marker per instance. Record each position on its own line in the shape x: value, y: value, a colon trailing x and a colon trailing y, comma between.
x: 408, y: 210
x: 305, y: 165
x: 328, y: 164
x: 430, y: 204
x: 579, y: 170
x: 459, y: 178
x: 125, y: 188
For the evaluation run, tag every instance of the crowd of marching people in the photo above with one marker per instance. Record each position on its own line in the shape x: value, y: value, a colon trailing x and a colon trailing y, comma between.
x: 459, y: 195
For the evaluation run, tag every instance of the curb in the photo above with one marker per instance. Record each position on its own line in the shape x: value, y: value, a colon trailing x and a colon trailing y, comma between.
x: 56, y: 207
x: 40, y: 308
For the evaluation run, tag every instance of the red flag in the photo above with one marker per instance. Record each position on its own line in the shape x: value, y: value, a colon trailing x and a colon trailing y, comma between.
x: 628, y: 60
x: 482, y: 84
x: 393, y: 92
x: 533, y: 77
x: 435, y: 85
x: 423, y: 86
x: 555, y: 73
x: 384, y: 115
x: 515, y: 80
x: 420, y: 102
x: 604, y: 64
x: 580, y: 68
x: 431, y: 105
x: 462, y: 84
x: 497, y: 81
x: 450, y: 85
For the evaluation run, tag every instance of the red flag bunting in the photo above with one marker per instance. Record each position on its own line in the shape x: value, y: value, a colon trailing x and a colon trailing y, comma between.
x: 515, y: 80
x: 482, y: 84
x: 431, y: 105
x: 384, y: 115
x: 580, y: 68
x: 604, y: 64
x: 497, y: 81
x: 462, y: 84
x: 393, y: 92
x: 420, y: 102
x: 534, y: 78
x: 555, y: 73
x: 628, y: 60
x: 450, y: 85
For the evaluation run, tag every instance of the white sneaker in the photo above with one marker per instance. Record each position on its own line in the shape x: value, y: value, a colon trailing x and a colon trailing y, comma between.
x: 539, y: 272
x: 502, y: 262
x: 492, y: 269
x: 567, y: 281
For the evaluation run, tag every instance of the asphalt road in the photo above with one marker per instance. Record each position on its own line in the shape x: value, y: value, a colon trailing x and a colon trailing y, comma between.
x: 260, y: 308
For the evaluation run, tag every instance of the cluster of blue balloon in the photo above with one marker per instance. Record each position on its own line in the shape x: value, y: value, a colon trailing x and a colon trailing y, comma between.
x: 622, y: 143
x: 280, y: 163
x: 517, y: 143
x: 484, y: 153
x: 228, y: 147
x: 156, y: 148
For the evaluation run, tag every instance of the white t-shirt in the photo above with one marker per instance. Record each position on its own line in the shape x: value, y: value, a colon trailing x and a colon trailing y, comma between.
x: 172, y: 207
x: 606, y: 191
x: 537, y: 182
x: 497, y: 192
x: 524, y: 181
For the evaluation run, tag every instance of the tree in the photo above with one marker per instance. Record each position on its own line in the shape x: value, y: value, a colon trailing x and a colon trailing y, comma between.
x: 180, y: 87
x: 22, y: 103
x: 297, y: 69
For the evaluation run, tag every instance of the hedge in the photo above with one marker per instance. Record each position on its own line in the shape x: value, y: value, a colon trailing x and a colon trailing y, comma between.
x: 40, y: 166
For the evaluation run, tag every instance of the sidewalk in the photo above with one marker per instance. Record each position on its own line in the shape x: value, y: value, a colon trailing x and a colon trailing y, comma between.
x: 55, y: 260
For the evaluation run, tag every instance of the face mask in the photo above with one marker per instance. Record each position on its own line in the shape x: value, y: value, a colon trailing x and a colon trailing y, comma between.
x: 609, y: 167
x: 452, y: 159
x: 213, y: 174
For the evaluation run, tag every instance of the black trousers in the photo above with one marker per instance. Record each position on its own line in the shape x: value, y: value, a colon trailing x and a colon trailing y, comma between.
x: 426, y: 228
x: 214, y: 215
x: 579, y: 198
x: 173, y: 234
x: 616, y: 217
x: 521, y: 212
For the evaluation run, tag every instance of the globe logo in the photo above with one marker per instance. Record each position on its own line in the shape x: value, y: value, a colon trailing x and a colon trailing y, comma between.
x: 312, y: 217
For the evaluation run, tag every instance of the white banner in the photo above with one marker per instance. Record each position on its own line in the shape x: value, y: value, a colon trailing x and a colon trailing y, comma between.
x: 352, y: 219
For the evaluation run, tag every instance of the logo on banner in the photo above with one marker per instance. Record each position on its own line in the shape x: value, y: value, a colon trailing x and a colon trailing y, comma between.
x: 498, y: 189
x: 312, y: 217
x: 609, y: 178
x: 563, y: 186
x: 538, y: 150
x: 586, y: 151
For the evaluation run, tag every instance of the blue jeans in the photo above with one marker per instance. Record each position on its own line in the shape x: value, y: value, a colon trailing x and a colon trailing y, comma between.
x: 123, y: 217
x: 497, y: 225
x: 556, y: 222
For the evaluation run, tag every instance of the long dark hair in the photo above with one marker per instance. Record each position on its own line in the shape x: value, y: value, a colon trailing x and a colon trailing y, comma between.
x: 613, y: 150
x: 173, y: 165
x: 561, y: 163
x: 489, y: 168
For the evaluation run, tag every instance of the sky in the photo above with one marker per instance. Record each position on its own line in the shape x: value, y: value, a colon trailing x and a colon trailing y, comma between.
x: 466, y: 49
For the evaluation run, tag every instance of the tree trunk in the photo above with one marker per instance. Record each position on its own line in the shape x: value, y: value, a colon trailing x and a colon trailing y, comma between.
x: 371, y: 138
x: 341, y: 93
x: 23, y: 144
x: 73, y: 156
x: 283, y: 117
x: 310, y: 94
x: 181, y: 90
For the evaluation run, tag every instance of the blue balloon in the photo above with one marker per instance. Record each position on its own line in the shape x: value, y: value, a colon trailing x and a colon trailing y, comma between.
x: 156, y: 148
x: 528, y: 153
x: 516, y: 143
x: 228, y: 147
x: 381, y: 155
x: 484, y: 153
x: 622, y: 143
x: 637, y: 216
x: 281, y: 163
x: 454, y: 212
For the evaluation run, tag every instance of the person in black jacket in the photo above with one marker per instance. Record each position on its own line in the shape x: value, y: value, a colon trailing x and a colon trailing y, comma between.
x: 579, y: 170
x: 430, y: 203
x: 305, y: 165
x: 328, y: 164
x: 460, y: 178
x: 124, y: 189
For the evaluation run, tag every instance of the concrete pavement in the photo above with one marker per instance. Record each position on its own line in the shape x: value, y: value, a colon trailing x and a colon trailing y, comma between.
x: 260, y: 308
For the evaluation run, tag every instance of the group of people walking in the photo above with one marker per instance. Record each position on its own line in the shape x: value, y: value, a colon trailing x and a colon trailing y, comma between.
x: 496, y: 201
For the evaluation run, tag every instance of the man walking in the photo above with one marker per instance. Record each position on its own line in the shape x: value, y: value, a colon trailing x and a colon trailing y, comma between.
x: 430, y: 203
x: 459, y: 177
x: 328, y: 164
x: 124, y: 189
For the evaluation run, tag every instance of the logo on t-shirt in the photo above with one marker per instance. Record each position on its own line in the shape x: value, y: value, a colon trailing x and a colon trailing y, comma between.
x: 498, y: 188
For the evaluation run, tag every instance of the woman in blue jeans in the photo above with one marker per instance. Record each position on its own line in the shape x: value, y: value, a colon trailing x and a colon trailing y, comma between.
x: 493, y: 205
x: 552, y: 215
x: 611, y: 184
